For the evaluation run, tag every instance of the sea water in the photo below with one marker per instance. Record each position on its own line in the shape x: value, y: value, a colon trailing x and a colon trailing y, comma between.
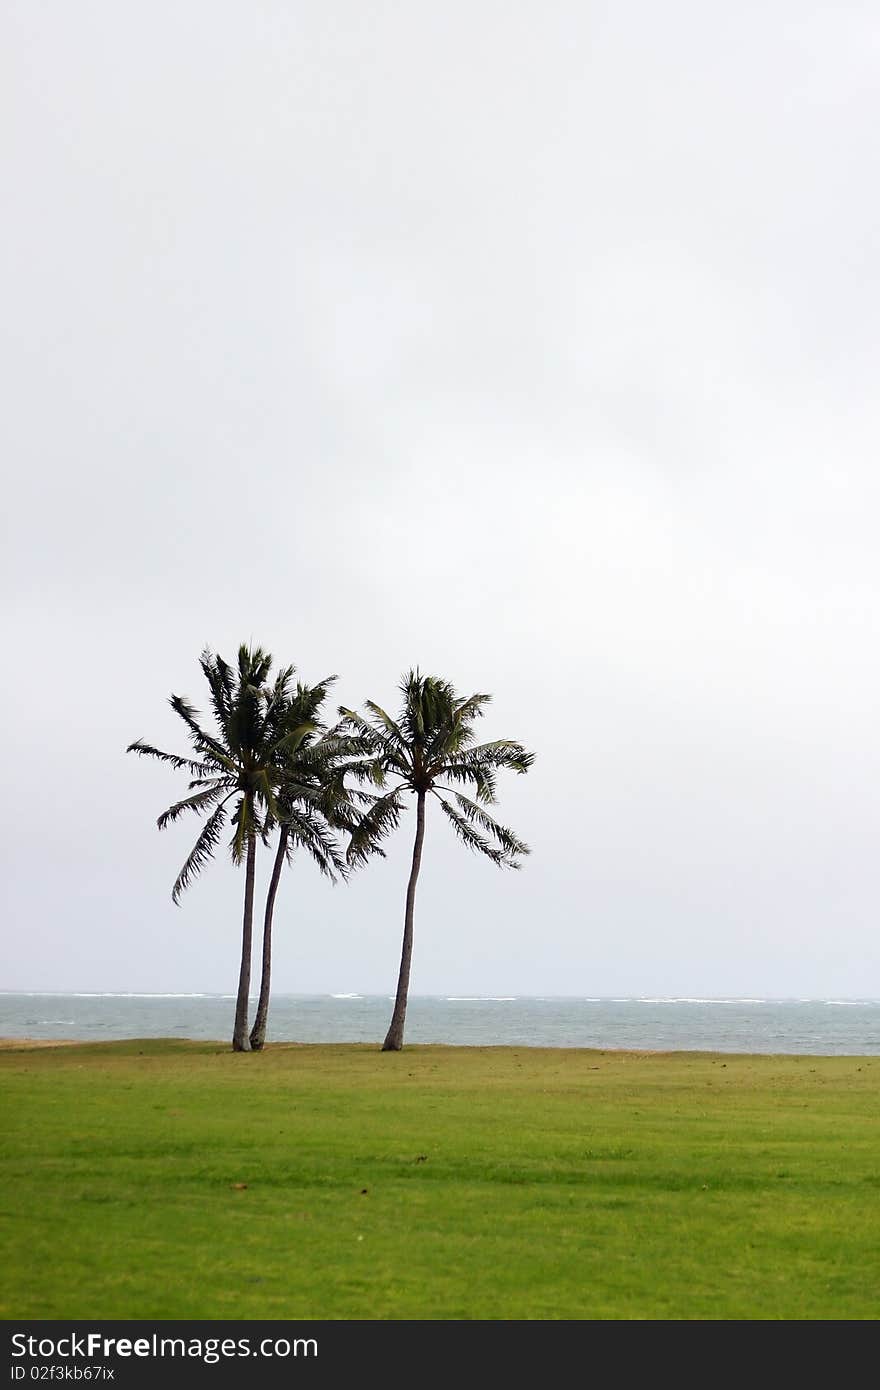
x: 820, y: 1027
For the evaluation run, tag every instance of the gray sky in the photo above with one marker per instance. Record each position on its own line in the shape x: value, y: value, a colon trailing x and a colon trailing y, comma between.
x: 535, y: 344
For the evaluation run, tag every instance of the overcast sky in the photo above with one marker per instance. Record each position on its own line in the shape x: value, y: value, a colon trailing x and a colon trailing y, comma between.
x: 532, y: 343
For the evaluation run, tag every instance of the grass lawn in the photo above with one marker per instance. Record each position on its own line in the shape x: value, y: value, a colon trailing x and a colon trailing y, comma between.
x: 164, y: 1179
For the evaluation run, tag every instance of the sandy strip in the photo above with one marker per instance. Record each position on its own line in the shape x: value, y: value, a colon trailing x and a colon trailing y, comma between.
x: 39, y: 1042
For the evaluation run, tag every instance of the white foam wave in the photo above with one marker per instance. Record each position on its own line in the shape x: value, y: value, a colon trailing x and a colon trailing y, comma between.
x: 686, y: 999
x: 132, y: 994
x: 679, y: 999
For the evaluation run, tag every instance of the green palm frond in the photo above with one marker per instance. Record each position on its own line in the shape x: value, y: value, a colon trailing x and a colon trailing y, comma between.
x: 321, y: 786
x: 392, y: 730
x: 372, y: 752
x: 503, y: 753
x: 275, y: 703
x: 248, y: 820
x: 246, y: 725
x: 254, y: 666
x: 471, y: 708
x: 203, y: 742
x: 264, y: 791
x: 342, y: 743
x: 310, y: 832
x: 480, y: 764
x: 452, y: 731
x: 400, y: 763
x: 238, y: 843
x: 365, y: 770
x: 475, y: 814
x: 377, y: 821
x: 220, y: 682
x: 474, y: 840
x: 147, y: 750
x: 341, y: 804
x: 198, y: 803
x: 351, y: 720
x: 311, y: 698
x: 293, y: 739
x: 434, y: 709
x: 482, y: 779
x: 213, y: 780
x: 201, y: 852
x: 422, y: 699
x: 329, y: 757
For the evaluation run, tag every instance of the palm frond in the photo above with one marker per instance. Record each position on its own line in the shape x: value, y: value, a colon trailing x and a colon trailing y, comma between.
x: 219, y: 677
x: 198, y: 803
x: 310, y: 698
x: 364, y: 770
x: 215, y: 780
x: 510, y: 843
x: 352, y: 720
x: 392, y: 729
x: 455, y: 716
x: 481, y: 778
x: 293, y: 739
x: 203, y: 742
x: 412, y: 714
x: 503, y: 753
x: 466, y: 710
x: 243, y: 825
x: 201, y: 852
x: 147, y: 750
x: 247, y: 718
x: 277, y: 701
x: 263, y: 789
x: 386, y: 752
x: 310, y: 833
x: 254, y: 665
x: 340, y: 742
x: 378, y: 820
x: 480, y: 764
x: 464, y: 829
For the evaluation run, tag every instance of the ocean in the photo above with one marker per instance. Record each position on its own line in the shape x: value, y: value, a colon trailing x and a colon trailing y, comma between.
x: 819, y: 1027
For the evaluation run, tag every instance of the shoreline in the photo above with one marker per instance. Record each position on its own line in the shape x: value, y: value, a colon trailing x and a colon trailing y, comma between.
x: 42, y: 1044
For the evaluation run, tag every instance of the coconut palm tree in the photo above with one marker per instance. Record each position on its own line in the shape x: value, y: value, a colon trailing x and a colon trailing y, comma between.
x: 428, y: 745
x: 313, y: 802
x: 236, y: 763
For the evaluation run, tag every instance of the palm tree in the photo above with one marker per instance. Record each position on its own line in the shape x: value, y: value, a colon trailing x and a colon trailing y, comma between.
x: 236, y: 763
x: 430, y: 744
x: 313, y: 801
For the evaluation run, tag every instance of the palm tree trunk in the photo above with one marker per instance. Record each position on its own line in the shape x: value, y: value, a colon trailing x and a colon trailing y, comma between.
x: 240, y: 1039
x: 258, y: 1032
x: 394, y: 1037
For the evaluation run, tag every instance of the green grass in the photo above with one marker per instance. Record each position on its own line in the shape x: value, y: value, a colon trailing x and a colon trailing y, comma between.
x: 443, y: 1183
